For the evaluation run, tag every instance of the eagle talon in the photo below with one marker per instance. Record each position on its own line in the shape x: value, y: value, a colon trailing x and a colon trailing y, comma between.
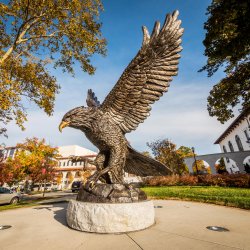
x: 90, y: 185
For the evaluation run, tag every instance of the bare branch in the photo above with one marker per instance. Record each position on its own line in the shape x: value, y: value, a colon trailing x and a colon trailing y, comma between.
x: 20, y: 34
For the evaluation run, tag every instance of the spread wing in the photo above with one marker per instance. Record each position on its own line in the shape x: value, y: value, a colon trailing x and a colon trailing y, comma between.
x: 147, y: 77
x: 92, y: 100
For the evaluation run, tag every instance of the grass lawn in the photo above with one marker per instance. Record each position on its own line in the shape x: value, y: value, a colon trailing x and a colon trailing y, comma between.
x: 233, y: 197
x: 19, y: 205
x: 24, y: 203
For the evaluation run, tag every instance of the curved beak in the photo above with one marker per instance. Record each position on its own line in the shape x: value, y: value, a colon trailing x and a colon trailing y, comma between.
x: 62, y: 125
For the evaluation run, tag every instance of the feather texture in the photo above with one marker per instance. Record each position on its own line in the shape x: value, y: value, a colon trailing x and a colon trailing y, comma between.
x: 147, y: 77
x: 141, y: 165
x: 92, y: 100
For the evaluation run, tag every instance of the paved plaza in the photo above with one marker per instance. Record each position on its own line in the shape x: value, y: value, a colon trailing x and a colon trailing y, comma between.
x: 179, y: 225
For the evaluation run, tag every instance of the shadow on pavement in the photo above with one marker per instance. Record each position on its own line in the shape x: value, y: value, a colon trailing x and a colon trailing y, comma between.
x: 59, y: 211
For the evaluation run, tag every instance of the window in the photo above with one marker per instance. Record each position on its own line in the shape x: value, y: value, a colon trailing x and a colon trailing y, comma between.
x: 4, y: 190
x: 68, y: 163
x: 239, y: 144
x: 225, y: 151
x: 64, y: 163
x: 231, y: 146
x: 247, y: 135
x: 12, y: 151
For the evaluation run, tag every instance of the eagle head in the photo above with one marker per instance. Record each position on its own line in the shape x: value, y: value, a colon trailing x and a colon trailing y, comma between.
x: 78, y: 118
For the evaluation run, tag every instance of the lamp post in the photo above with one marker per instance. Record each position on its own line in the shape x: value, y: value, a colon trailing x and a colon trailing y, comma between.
x: 195, y: 160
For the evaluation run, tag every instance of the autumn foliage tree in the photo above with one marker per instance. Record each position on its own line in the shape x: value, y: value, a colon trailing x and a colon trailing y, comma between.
x: 221, y: 166
x: 201, y: 166
x: 34, y: 34
x: 10, y: 174
x: 35, y: 159
x: 227, y: 45
x: 166, y: 152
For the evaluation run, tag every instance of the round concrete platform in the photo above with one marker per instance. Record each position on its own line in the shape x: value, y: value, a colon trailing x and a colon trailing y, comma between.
x: 109, y: 217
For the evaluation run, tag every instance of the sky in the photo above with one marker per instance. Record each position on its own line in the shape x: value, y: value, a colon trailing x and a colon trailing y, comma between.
x: 180, y: 115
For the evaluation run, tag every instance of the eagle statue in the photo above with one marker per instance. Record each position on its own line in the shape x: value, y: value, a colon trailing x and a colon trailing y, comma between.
x: 128, y: 104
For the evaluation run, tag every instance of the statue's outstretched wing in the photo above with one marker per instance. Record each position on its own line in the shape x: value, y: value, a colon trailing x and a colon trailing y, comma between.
x: 147, y: 77
x: 92, y: 100
x: 141, y: 165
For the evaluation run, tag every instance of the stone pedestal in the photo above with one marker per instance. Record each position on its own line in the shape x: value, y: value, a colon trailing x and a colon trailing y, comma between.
x: 110, y: 217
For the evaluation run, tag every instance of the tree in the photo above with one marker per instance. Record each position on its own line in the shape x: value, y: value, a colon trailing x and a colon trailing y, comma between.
x: 70, y: 177
x: 8, y: 173
x: 184, y: 151
x: 146, y: 153
x: 11, y: 174
x: 247, y: 168
x: 201, y: 166
x: 34, y: 34
x: 227, y: 44
x: 165, y: 151
x: 59, y: 178
x: 221, y: 167
x: 36, y: 159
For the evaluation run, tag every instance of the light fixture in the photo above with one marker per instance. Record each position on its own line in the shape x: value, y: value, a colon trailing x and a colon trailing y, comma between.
x: 3, y: 227
x: 217, y: 229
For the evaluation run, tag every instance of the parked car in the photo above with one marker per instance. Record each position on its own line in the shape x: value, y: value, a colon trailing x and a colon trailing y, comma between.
x: 8, y: 196
x: 76, y: 186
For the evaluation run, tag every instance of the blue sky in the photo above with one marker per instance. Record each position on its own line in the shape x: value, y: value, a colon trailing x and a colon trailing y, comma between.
x: 180, y: 115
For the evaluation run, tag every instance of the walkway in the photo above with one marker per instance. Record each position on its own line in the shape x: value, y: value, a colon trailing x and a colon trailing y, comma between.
x: 179, y: 225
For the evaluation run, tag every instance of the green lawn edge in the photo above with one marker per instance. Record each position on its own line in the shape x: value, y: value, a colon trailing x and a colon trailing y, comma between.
x: 28, y: 203
x: 226, y: 196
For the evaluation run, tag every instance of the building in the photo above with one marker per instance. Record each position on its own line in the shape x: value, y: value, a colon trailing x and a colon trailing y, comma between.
x: 236, y: 138
x: 7, y: 152
x: 68, y: 170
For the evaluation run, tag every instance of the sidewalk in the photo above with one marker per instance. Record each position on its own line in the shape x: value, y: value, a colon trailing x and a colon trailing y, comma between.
x: 179, y: 225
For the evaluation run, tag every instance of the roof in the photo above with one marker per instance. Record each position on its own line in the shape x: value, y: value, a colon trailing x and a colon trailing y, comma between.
x: 82, y: 156
x: 66, y: 151
x: 233, y: 125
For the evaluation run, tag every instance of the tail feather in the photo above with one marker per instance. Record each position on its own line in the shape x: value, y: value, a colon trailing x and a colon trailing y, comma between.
x: 141, y: 165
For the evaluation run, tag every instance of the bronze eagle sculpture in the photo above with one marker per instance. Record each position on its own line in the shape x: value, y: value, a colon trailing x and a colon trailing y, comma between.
x: 128, y: 104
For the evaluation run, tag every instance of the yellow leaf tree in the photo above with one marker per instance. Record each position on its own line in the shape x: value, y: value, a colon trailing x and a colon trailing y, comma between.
x: 201, y: 166
x: 166, y: 152
x: 36, y: 159
x: 34, y: 34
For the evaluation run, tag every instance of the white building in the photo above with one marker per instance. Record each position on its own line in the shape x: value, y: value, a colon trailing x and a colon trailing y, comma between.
x: 69, y: 171
x: 236, y: 138
x: 8, y: 152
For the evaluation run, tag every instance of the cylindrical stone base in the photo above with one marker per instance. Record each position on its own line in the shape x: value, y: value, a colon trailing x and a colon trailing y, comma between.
x: 109, y: 217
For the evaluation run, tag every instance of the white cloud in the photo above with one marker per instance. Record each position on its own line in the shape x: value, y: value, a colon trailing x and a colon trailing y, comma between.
x: 180, y: 115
